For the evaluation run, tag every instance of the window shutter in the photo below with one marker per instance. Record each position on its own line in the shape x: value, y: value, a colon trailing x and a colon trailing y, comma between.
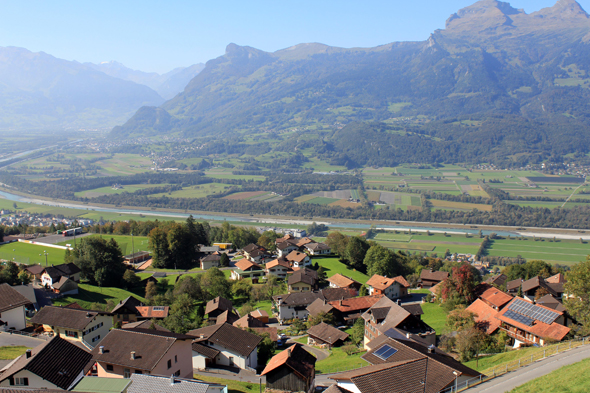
x: 11, y: 381
x: 26, y: 381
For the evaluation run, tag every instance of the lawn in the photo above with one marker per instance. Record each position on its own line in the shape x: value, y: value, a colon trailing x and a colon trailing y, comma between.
x: 140, y: 243
x: 31, y: 253
x: 434, y: 316
x: 340, y: 361
x: 573, y: 378
x: 12, y: 352
x: 89, y: 294
x: 561, y: 251
x: 333, y: 266
x: 232, y: 386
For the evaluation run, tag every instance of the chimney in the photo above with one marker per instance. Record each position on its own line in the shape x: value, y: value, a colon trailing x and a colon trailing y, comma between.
x: 399, y: 302
x: 202, y: 335
x: 289, y: 352
x: 408, y: 335
x: 28, y: 354
x: 132, y: 355
x: 340, y: 302
x: 101, y: 349
x: 88, y: 315
x: 431, y: 349
x: 172, y: 381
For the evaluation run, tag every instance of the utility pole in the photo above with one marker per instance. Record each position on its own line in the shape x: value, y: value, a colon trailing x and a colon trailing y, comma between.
x: 132, y: 247
x: 45, y: 253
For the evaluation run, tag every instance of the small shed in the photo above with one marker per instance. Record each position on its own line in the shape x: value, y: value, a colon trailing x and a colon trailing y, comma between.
x: 137, y: 257
x: 292, y: 370
x: 326, y: 336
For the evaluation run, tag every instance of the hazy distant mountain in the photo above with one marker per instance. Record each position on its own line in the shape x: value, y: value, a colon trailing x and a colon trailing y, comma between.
x: 491, y: 61
x: 38, y: 90
x: 167, y: 85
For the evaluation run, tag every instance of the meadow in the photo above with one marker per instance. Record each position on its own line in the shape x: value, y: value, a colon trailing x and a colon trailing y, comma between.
x: 573, y: 378
x: 560, y: 251
x: 31, y: 254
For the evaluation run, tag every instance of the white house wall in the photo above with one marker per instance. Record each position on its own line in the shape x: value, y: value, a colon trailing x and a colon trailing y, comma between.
x: 15, y: 318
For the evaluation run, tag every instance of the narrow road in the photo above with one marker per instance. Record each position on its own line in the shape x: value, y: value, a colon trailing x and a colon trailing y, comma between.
x: 572, y: 194
x: 516, y: 378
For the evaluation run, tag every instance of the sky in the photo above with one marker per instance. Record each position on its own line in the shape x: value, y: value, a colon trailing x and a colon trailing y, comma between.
x: 157, y: 36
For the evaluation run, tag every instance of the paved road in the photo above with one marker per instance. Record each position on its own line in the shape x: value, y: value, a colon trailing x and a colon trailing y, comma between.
x: 7, y: 339
x: 511, y: 380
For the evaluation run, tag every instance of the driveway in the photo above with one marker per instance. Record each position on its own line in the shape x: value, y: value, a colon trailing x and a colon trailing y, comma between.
x: 523, y: 375
x: 7, y: 339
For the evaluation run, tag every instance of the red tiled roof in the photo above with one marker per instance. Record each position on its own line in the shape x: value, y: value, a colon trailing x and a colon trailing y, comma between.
x: 296, y: 256
x: 485, y: 316
x: 556, y: 279
x: 496, y: 297
x: 244, y: 264
x: 296, y: 358
x: 153, y: 311
x: 277, y: 262
x: 355, y: 303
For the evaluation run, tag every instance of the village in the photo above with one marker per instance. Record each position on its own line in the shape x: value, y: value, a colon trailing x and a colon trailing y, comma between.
x: 380, y: 323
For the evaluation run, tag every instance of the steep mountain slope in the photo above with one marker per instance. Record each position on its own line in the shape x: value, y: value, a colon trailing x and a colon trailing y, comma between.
x: 166, y: 85
x: 38, y: 90
x: 491, y: 61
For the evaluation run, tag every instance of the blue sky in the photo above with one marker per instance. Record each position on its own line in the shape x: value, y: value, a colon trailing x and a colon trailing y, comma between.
x: 160, y: 35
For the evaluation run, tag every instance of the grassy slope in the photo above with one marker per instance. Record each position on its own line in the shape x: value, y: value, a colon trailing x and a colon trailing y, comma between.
x: 29, y: 253
x: 89, y: 294
x: 340, y: 361
x: 12, y: 352
x: 333, y: 266
x: 232, y: 386
x: 574, y: 378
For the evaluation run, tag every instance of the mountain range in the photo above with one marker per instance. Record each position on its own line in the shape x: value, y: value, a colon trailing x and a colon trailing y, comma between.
x: 40, y: 91
x: 491, y: 63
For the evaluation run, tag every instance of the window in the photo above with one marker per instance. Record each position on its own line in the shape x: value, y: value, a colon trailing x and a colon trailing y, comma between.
x: 126, y: 373
x: 96, y: 338
x: 175, y: 358
x: 177, y: 373
x: 71, y: 333
x: 21, y: 382
x: 138, y: 372
x: 169, y: 363
x: 109, y: 367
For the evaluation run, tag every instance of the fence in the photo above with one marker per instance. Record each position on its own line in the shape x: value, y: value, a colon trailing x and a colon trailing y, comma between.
x: 542, y: 353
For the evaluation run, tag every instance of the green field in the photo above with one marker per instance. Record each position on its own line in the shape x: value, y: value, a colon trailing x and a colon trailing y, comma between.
x: 433, y: 243
x: 88, y: 294
x: 561, y: 251
x: 31, y: 254
x: 140, y: 243
x: 200, y: 191
x: 333, y: 266
x: 435, y: 317
x: 573, y: 378
x: 340, y: 361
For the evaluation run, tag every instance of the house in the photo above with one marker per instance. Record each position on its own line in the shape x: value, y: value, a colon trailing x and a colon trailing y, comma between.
x: 285, y: 247
x: 299, y: 259
x: 137, y: 257
x: 142, y: 383
x: 551, y: 302
x: 349, y: 310
x: 209, y: 249
x: 531, y: 286
x: 28, y: 291
x: 340, y: 281
x: 393, y: 288
x: 428, y: 278
x: 387, y: 314
x: 278, y: 268
x: 53, y: 274
x: 92, y: 383
x: 227, y: 317
x: 319, y: 306
x: 247, y: 269
x: 126, y: 310
x: 512, y: 287
x: 248, y: 321
x: 492, y: 296
x: 217, y: 306
x: 294, y: 305
x: 556, y: 279
x: 302, y: 281
x: 401, y: 364
x: 485, y: 316
x: 65, y: 286
x: 292, y: 370
x: 86, y: 326
x: 317, y: 249
x: 55, y: 364
x: 35, y: 272
x: 532, y: 324
x: 498, y: 280
x: 235, y: 347
x: 255, y: 253
x: 145, y: 324
x: 325, y: 335
x: 12, y: 308
x: 143, y: 351
x: 212, y: 260
x: 261, y: 315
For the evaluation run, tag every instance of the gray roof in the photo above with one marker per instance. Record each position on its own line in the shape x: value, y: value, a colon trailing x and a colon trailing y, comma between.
x: 27, y: 291
x: 66, y: 317
x: 142, y: 383
x: 10, y: 298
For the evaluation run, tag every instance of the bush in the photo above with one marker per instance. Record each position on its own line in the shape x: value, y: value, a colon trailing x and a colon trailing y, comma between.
x: 350, y: 349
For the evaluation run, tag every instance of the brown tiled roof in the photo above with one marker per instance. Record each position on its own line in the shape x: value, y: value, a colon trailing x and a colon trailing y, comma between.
x: 277, y: 262
x: 414, y: 309
x: 244, y: 265
x: 65, y: 317
x: 514, y: 284
x: 435, y: 288
x: 250, y: 247
x: 126, y: 306
x: 498, y: 279
x: 300, y: 276
x: 334, y: 388
x: 557, y: 287
x: 355, y: 304
x: 556, y: 279
x: 319, y: 306
x: 248, y: 321
x: 298, y: 298
x: 317, y: 246
x: 66, y: 269
x: 327, y: 333
x: 153, y: 311
x: 495, y: 297
x: 35, y: 269
x: 271, y: 331
x: 227, y: 317
x: 333, y: 294
x: 551, y: 302
x: 205, y: 350
x: 341, y: 281
x: 57, y: 361
x: 382, y: 283
x: 230, y: 337
x: 536, y: 282
x: 145, y: 324
x: 296, y: 256
x: 211, y: 258
x: 304, y: 240
x: 256, y: 253
x: 149, y: 347
x: 10, y: 298
x: 486, y: 316
x: 218, y: 303
x: 284, y: 245
x: 296, y: 358
x: 433, y: 276
x: 64, y: 282
x: 539, y: 329
x: 259, y: 313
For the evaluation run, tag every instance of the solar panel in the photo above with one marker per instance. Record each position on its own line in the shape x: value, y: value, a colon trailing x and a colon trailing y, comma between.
x: 518, y: 317
x: 385, y: 352
x: 532, y: 311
